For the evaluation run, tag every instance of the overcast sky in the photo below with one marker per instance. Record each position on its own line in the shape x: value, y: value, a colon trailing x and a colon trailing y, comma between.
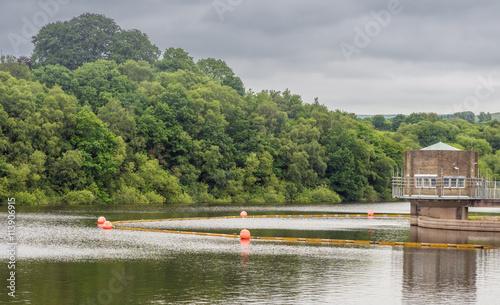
x: 366, y: 57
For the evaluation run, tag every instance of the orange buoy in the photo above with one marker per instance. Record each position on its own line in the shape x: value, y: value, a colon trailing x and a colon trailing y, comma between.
x: 370, y: 213
x: 101, y: 220
x: 245, y: 234
x: 107, y: 225
x: 243, y: 214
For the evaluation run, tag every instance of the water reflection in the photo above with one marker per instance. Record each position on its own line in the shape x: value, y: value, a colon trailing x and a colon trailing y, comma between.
x: 439, y: 274
x: 65, y: 259
x: 424, y: 235
x: 245, y: 251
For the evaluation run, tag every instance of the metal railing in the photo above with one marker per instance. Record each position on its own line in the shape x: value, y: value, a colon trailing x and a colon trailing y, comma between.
x: 445, y: 188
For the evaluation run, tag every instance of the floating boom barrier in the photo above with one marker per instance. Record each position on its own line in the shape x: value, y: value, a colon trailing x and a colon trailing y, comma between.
x: 117, y: 225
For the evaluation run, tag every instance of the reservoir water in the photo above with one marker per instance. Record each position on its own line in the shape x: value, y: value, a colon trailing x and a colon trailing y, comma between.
x: 63, y: 258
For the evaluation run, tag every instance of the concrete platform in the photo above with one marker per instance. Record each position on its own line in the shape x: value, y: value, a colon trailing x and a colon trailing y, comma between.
x: 453, y: 224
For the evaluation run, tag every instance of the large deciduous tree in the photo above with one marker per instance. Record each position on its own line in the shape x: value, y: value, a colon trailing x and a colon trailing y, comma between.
x: 87, y: 38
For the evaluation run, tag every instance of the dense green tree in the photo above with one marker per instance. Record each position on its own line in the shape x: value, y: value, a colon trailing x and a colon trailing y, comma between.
x: 132, y: 45
x: 484, y: 117
x: 137, y: 71
x: 98, y: 147
x: 428, y: 133
x: 396, y: 121
x: 121, y: 121
x: 469, y: 116
x: 67, y: 172
x: 17, y: 67
x: 177, y: 59
x: 492, y: 134
x: 345, y: 175
x: 479, y: 145
x: 51, y: 75
x: 220, y: 72
x: 87, y: 38
x: 380, y: 123
x: 100, y: 81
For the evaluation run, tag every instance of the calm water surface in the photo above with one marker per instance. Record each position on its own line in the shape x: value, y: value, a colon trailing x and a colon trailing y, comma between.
x: 63, y: 258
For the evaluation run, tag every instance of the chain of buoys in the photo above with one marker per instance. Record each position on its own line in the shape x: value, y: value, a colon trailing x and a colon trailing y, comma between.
x: 245, y: 234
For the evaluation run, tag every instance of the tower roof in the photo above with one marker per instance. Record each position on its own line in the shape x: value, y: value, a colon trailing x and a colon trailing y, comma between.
x: 440, y: 146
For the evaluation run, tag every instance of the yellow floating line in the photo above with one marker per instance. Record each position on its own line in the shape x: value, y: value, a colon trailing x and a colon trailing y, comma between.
x: 409, y: 244
x: 466, y: 246
x: 363, y: 242
x: 387, y: 243
x: 439, y: 245
x: 265, y: 238
x: 314, y: 240
x: 338, y: 241
x: 295, y: 239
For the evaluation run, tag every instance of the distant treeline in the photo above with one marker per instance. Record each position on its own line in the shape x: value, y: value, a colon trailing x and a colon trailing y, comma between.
x: 102, y: 118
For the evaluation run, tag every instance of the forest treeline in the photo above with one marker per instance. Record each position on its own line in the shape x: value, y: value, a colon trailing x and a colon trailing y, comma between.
x: 121, y: 123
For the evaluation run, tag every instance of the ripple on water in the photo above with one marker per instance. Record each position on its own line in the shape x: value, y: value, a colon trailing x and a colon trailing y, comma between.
x: 310, y: 224
x: 41, y: 237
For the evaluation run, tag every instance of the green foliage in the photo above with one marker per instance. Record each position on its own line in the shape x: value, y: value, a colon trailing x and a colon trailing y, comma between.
x: 321, y: 194
x: 428, y: 133
x: 154, y: 198
x: 78, y: 197
x: 137, y: 71
x: 177, y: 59
x: 25, y: 198
x: 52, y: 75
x: 129, y: 195
x: 380, y: 123
x: 466, y: 115
x: 484, y: 117
x: 346, y: 159
x: 100, y: 81
x: 218, y: 71
x: 88, y: 38
x: 119, y: 120
x: 132, y: 45
x: 396, y: 121
x: 15, y: 66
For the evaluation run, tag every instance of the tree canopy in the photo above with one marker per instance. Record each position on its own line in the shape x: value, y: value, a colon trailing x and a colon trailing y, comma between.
x: 87, y: 38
